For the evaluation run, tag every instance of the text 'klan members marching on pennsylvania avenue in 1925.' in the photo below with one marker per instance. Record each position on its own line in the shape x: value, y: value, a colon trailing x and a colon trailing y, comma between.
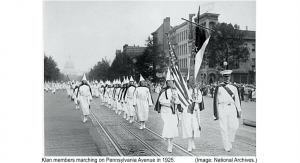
x: 180, y: 100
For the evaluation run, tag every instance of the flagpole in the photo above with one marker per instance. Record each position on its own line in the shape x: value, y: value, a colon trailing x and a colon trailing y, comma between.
x: 198, y: 25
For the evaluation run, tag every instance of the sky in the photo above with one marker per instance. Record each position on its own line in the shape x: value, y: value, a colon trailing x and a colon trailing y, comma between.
x: 88, y: 31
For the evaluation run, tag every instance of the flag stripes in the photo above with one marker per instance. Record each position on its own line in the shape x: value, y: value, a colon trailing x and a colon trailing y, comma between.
x: 183, y: 93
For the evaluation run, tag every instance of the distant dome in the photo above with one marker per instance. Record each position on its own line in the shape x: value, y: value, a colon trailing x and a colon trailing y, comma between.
x: 69, y: 67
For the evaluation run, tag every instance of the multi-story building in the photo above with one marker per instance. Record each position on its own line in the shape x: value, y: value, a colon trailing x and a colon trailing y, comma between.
x: 133, y: 51
x: 160, y: 39
x: 182, y: 37
x: 180, y: 42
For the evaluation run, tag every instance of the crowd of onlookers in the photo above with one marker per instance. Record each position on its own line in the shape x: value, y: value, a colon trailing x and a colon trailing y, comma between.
x: 247, y: 91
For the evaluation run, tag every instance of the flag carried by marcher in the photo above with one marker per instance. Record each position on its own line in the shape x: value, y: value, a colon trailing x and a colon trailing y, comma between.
x: 202, y: 38
x: 180, y: 83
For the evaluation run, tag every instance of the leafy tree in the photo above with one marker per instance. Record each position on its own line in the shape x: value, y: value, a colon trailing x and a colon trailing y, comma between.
x: 99, y: 71
x: 147, y: 62
x: 226, y: 44
x: 121, y: 66
x: 51, y: 72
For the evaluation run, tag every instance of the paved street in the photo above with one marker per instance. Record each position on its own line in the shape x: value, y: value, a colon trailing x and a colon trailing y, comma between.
x: 65, y: 133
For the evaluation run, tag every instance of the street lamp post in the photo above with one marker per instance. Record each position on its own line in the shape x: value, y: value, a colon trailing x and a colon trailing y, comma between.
x: 225, y: 64
x: 134, y: 61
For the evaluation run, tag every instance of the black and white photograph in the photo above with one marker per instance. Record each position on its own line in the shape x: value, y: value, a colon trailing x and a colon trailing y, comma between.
x: 149, y: 78
x: 149, y: 81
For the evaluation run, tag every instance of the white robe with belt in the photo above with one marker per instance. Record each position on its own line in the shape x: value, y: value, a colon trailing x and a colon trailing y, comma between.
x: 129, y: 101
x: 142, y: 99
x: 170, y: 129
x: 191, y: 122
x: 84, y: 97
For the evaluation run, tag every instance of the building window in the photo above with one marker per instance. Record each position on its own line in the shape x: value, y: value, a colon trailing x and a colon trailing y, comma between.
x: 186, y: 48
x: 253, y: 47
x: 236, y: 78
x: 180, y: 50
x: 179, y: 63
x: 244, y: 79
x: 185, y: 63
x: 180, y: 37
x: 253, y: 62
x: 186, y: 32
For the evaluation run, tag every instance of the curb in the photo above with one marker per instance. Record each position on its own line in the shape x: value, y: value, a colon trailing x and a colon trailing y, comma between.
x: 249, y: 123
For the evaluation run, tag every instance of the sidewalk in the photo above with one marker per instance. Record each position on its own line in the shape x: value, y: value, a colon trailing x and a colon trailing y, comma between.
x: 64, y: 132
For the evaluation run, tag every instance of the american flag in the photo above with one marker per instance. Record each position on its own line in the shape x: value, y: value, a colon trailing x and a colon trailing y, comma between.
x: 180, y: 83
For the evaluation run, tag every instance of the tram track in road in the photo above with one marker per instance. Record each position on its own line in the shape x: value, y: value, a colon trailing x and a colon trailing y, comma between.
x: 115, y: 143
x: 174, y: 144
x: 109, y: 136
x: 155, y: 149
x: 140, y: 140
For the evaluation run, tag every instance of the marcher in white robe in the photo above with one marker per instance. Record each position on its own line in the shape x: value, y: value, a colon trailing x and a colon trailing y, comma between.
x: 97, y: 86
x: 227, y: 109
x: 93, y: 87
x: 53, y: 88
x: 68, y: 89
x: 84, y: 97
x: 105, y: 95
x: 191, y: 118
x: 46, y: 87
x: 129, y: 100
x: 116, y: 97
x: 114, y: 104
x: 120, y: 107
x: 101, y: 90
x: 123, y: 100
x: 166, y: 105
x: 75, y: 96
x: 72, y: 90
x: 157, y: 88
x: 142, y: 102
x: 109, y: 101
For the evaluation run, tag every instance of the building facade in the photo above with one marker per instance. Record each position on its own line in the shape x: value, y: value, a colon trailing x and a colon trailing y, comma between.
x: 160, y: 39
x: 180, y: 42
x: 133, y: 51
x: 182, y: 37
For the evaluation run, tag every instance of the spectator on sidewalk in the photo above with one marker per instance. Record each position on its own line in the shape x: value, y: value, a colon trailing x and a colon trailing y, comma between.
x: 242, y: 91
x: 246, y: 93
x: 254, y: 95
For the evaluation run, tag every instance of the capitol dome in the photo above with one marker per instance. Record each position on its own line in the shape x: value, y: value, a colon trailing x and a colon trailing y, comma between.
x: 69, y: 67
